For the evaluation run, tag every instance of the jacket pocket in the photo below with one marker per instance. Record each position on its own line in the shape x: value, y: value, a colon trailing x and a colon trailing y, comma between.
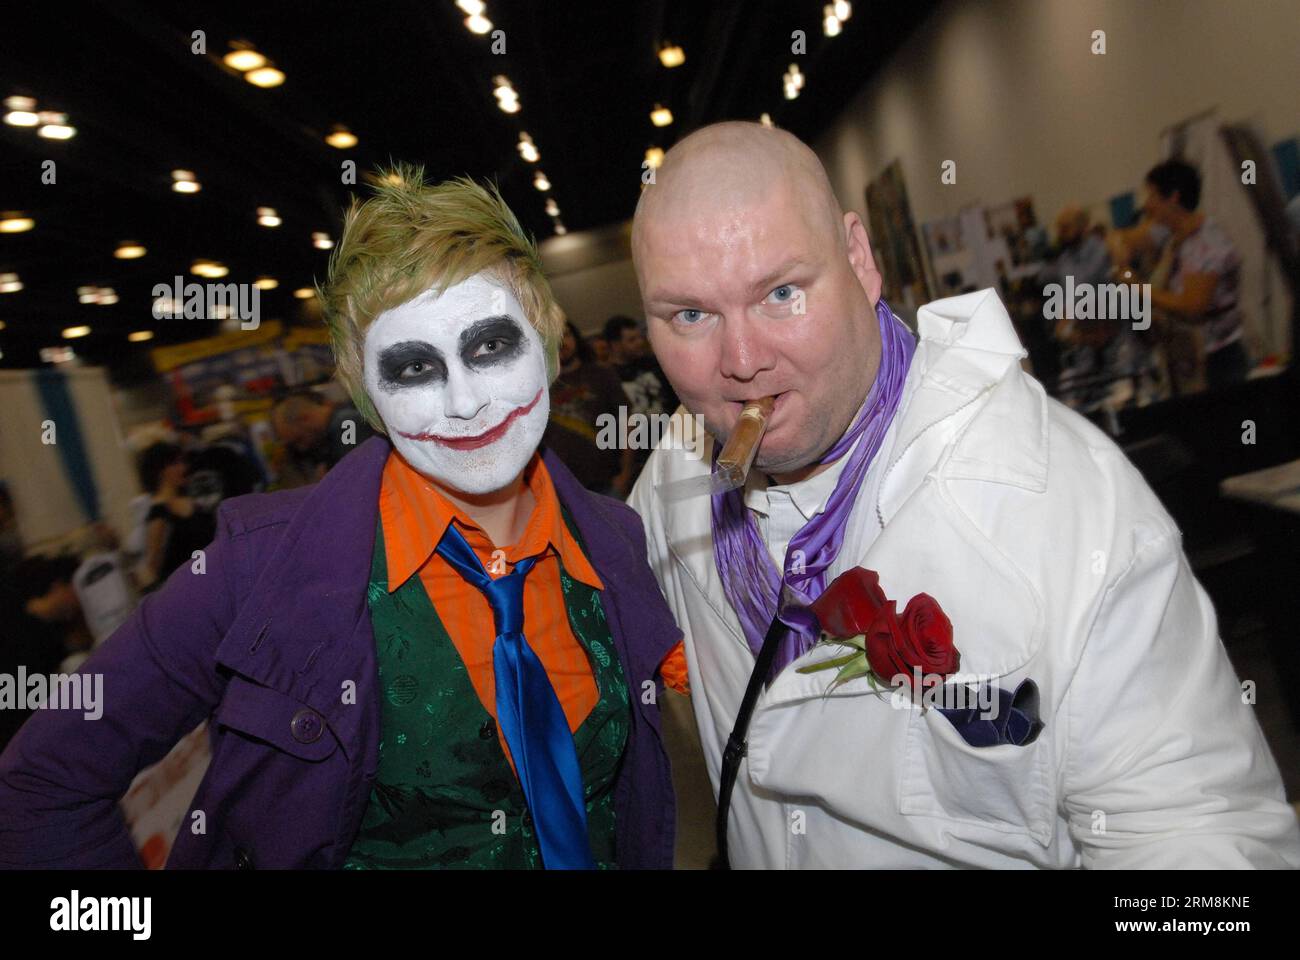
x: 275, y: 718
x: 1003, y: 788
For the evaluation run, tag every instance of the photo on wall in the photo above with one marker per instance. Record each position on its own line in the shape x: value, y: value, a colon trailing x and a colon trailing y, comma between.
x: 893, y: 240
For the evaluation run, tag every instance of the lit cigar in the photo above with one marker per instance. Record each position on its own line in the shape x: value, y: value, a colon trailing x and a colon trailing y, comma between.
x: 734, y: 461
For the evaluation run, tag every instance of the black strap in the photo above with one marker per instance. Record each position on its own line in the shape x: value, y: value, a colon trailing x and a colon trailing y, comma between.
x: 737, y: 743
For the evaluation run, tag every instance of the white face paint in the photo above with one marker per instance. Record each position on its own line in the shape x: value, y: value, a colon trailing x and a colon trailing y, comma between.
x: 459, y: 379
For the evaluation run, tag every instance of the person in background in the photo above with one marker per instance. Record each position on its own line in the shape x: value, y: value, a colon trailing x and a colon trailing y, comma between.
x: 1204, y: 267
x: 317, y: 431
x: 40, y: 611
x: 600, y: 350
x: 647, y: 389
x: 223, y: 465
x: 581, y: 393
x: 176, y: 525
x: 1093, y: 351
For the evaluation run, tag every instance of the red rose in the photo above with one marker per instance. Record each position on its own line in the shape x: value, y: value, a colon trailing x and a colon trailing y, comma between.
x: 920, y: 639
x: 849, y: 605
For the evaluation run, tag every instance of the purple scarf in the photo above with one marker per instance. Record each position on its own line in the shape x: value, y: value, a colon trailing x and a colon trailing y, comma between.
x: 750, y: 579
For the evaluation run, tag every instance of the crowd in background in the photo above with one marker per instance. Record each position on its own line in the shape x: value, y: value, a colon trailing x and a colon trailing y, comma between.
x: 1195, y: 340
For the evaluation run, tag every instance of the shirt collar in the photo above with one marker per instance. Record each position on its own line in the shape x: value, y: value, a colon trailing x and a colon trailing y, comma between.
x: 810, y: 496
x: 415, y: 516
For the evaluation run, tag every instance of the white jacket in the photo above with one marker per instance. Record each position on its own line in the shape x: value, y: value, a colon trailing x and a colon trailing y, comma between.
x: 1054, y: 561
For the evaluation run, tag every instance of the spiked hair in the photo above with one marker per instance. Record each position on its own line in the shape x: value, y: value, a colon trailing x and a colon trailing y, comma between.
x: 411, y: 236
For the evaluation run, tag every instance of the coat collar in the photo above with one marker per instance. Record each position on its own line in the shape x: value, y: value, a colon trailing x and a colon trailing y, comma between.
x: 968, y: 355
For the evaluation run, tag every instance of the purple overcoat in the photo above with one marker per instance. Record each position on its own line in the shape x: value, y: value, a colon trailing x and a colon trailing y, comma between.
x: 267, y: 643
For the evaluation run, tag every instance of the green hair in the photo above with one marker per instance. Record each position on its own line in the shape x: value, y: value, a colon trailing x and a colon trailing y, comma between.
x: 411, y: 236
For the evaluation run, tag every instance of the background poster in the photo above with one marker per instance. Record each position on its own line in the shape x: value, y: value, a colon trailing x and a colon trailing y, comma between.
x: 893, y: 241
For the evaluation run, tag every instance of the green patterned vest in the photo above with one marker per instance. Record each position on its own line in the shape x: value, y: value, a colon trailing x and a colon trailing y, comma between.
x: 445, y: 794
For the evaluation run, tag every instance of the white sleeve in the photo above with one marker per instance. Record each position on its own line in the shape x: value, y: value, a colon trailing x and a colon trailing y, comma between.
x: 1167, y: 766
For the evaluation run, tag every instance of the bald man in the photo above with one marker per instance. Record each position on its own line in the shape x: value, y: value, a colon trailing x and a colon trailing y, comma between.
x: 1046, y: 686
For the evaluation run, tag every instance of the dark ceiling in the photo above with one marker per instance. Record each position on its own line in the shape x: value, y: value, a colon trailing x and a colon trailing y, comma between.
x: 406, y: 77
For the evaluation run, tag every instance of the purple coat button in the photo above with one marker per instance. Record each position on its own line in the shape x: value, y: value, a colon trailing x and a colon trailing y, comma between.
x: 306, y: 726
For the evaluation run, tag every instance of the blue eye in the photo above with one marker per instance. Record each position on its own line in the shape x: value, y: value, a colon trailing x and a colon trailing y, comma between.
x: 783, y: 293
x: 690, y: 316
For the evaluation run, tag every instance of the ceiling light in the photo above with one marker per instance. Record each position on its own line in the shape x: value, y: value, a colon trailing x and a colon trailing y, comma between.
x: 54, y: 126
x: 265, y: 77
x: 107, y: 297
x: 552, y: 208
x: 661, y: 116
x: 304, y: 293
x: 209, y: 268
x: 473, y: 8
x: 139, y: 335
x: 540, y: 181
x: 843, y: 9
x: 266, y: 283
x: 478, y: 24
x: 71, y: 333
x: 560, y: 228
x: 126, y: 250
x: 15, y: 223
x: 766, y: 120
x: 21, y: 112
x: 527, y: 149
x: 267, y: 217
x: 184, y: 181
x: 654, y: 157
x: 63, y: 354
x: 671, y: 55
x: 243, y: 58
x: 341, y: 138
x: 9, y: 283
x: 830, y: 23
x: 321, y: 241
x: 507, y: 98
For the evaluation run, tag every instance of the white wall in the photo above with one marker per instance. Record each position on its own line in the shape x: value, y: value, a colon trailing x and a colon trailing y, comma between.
x: 1010, y: 91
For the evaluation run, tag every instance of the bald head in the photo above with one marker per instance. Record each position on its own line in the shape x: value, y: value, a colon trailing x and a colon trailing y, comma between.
x: 755, y: 284
x: 725, y: 169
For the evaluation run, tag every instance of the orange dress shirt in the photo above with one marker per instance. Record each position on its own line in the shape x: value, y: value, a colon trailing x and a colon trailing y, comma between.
x: 415, y: 516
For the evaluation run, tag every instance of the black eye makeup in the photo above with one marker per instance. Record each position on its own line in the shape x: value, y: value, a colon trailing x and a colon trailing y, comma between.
x: 491, y: 341
x: 411, y: 363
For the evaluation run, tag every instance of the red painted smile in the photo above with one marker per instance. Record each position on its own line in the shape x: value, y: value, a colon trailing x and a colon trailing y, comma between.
x: 483, y: 439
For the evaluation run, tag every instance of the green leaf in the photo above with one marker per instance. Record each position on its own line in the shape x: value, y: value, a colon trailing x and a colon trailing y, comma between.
x: 853, y: 670
x: 829, y: 664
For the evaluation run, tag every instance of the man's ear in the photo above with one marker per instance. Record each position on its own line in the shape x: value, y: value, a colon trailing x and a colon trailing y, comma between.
x: 860, y: 256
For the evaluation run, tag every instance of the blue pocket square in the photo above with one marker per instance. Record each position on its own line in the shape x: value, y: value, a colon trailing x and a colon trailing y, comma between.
x: 1015, y: 720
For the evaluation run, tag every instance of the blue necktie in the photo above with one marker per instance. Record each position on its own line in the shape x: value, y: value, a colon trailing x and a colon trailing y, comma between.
x: 530, y: 715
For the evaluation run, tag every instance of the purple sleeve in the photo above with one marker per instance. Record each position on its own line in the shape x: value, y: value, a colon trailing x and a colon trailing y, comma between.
x: 62, y: 775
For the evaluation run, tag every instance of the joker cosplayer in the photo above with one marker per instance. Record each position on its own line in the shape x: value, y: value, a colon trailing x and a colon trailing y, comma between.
x: 445, y: 654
